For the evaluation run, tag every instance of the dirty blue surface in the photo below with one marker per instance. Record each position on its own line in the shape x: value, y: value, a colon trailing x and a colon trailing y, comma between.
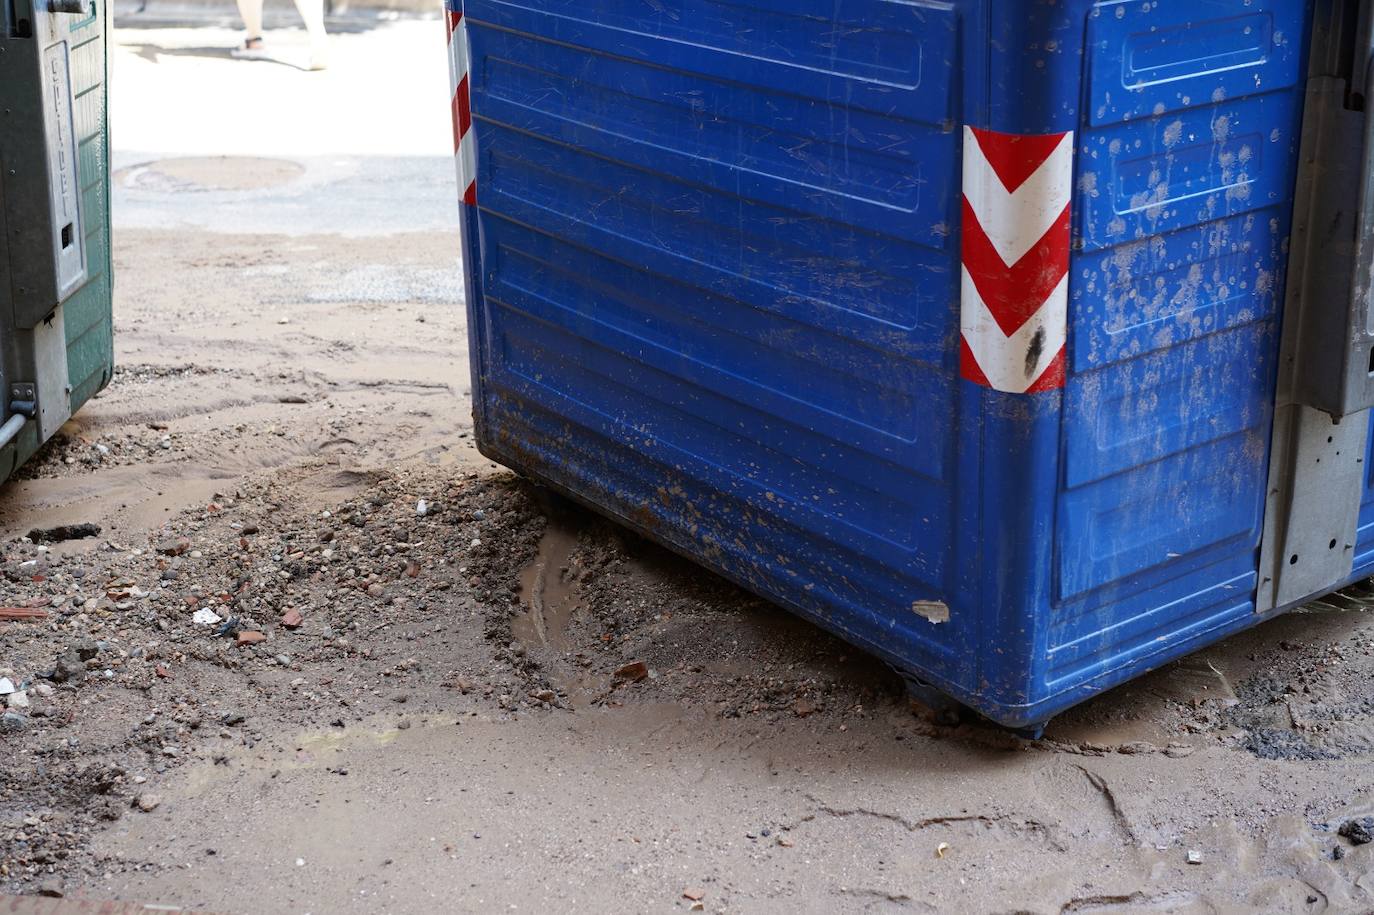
x: 714, y: 292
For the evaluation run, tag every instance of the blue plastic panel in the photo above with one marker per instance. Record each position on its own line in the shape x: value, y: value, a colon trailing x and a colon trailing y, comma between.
x: 1364, y: 542
x: 687, y: 267
x: 714, y: 277
x: 1185, y: 174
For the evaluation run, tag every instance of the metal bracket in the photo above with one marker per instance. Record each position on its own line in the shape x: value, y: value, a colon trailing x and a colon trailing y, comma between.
x: 23, y: 407
x: 1329, y: 353
x: 24, y: 398
x: 1325, y: 383
x: 1316, y: 474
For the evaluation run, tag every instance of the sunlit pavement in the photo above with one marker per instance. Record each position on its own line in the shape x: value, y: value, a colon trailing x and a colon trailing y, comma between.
x: 371, y: 134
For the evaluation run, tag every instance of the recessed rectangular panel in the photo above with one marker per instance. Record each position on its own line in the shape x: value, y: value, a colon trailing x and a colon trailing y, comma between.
x: 66, y: 234
x: 731, y: 349
x: 1167, y: 401
x: 1148, y: 177
x: 1168, y: 289
x: 1203, y: 498
x: 865, y: 53
x: 1151, y: 59
x: 1182, y: 52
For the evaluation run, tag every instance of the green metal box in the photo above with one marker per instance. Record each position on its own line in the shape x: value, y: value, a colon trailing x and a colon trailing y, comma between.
x: 56, y: 343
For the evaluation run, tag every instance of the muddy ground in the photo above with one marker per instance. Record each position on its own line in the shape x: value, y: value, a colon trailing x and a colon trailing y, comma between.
x: 471, y: 696
x: 425, y: 738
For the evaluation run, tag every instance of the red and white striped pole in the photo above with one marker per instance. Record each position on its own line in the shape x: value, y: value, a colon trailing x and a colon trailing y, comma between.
x: 464, y: 150
x: 1014, y: 293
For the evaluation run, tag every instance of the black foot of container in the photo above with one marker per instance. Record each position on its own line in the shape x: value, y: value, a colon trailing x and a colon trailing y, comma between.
x: 943, y: 709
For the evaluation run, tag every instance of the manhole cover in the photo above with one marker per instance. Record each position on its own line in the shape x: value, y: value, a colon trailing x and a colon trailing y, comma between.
x: 209, y: 173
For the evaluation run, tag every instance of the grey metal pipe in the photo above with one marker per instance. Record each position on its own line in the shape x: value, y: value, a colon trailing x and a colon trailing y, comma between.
x: 11, y: 428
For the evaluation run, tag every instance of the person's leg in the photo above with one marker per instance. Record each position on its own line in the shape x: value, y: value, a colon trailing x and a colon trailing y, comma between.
x: 312, y: 11
x: 251, y: 11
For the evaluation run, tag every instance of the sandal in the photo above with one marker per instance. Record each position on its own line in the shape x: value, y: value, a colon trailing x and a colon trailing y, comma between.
x: 251, y: 49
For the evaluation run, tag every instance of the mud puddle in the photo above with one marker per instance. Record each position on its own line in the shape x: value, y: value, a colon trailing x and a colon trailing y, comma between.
x: 547, y: 591
x: 550, y: 601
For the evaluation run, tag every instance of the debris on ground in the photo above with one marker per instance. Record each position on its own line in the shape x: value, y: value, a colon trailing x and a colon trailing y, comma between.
x: 204, y: 616
x: 1359, y: 831
x: 632, y: 672
x: 22, y: 613
x: 63, y: 532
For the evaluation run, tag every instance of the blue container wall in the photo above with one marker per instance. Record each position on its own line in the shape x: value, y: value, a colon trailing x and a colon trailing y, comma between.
x: 1186, y: 167
x: 714, y: 290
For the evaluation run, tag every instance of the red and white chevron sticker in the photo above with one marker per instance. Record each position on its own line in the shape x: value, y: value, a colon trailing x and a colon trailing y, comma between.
x: 464, y: 150
x: 1013, y: 312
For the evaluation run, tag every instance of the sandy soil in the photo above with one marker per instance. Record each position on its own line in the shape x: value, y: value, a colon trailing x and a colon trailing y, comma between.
x: 453, y: 726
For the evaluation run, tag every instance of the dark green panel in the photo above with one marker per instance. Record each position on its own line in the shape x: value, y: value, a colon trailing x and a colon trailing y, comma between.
x: 87, y: 317
x: 88, y: 309
x: 88, y: 65
x: 93, y: 200
x: 87, y: 313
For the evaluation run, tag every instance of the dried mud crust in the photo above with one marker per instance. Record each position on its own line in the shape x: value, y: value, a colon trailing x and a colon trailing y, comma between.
x: 608, y: 600
x: 599, y: 612
x: 1312, y: 699
x: 406, y: 610
x: 71, y: 452
x: 411, y: 597
x: 122, y: 685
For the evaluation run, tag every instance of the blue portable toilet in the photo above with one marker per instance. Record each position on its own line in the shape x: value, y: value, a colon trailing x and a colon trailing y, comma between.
x: 958, y: 328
